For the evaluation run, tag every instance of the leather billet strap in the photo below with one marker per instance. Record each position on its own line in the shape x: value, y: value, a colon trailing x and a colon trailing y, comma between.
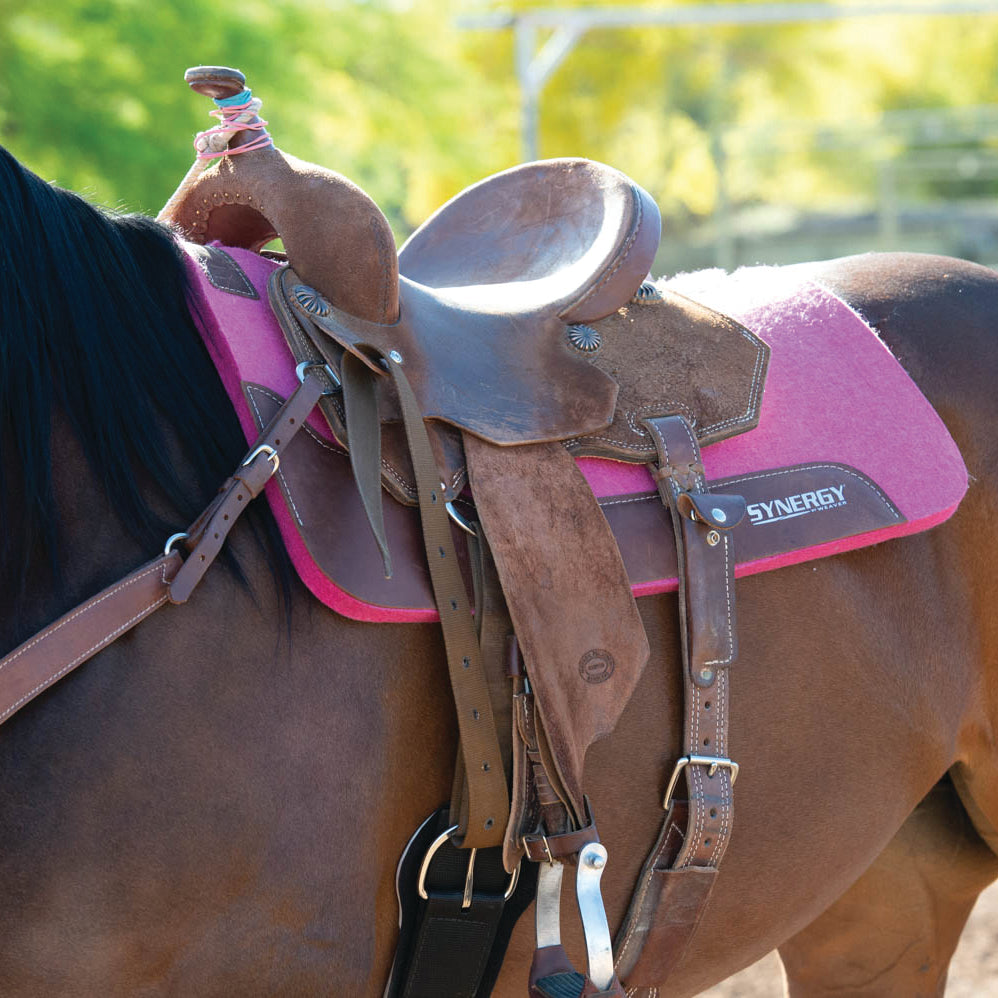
x: 208, y: 533
x: 87, y: 629
x: 680, y: 872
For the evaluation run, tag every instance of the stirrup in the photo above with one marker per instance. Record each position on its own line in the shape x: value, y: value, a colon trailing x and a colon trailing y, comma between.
x: 551, y: 973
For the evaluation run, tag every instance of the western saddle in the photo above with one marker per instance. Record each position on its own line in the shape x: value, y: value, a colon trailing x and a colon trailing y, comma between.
x: 469, y: 357
x: 471, y: 353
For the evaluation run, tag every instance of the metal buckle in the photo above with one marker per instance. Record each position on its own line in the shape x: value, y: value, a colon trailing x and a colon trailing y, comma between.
x: 714, y: 762
x: 469, y: 879
x: 272, y: 455
x: 307, y: 365
x: 524, y: 839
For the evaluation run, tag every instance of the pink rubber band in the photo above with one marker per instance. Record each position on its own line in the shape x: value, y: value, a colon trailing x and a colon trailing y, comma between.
x: 227, y: 116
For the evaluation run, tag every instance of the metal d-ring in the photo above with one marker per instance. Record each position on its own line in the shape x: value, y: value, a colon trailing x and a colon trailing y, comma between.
x: 173, y: 539
x: 307, y: 365
x: 469, y: 878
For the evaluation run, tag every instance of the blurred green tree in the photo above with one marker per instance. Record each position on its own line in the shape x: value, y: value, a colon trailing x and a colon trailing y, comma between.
x: 393, y: 94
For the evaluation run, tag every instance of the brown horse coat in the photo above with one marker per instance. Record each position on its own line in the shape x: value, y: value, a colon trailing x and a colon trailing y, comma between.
x: 211, y: 807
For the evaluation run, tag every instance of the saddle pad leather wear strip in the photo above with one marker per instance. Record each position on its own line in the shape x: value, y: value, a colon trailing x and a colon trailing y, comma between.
x: 822, y: 427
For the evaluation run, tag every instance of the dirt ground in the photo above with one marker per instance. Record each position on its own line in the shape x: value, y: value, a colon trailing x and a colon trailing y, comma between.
x: 973, y: 972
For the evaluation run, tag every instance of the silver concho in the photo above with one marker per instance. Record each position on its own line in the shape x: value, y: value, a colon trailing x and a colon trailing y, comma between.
x: 584, y: 338
x: 310, y: 300
x: 647, y: 294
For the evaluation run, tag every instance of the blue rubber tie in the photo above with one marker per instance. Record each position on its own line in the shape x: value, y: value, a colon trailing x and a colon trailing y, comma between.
x: 235, y: 100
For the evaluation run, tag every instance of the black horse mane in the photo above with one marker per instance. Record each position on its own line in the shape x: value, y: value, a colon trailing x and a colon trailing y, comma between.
x: 95, y: 320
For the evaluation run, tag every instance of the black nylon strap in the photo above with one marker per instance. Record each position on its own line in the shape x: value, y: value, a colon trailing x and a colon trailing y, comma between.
x: 444, y: 950
x: 452, y: 947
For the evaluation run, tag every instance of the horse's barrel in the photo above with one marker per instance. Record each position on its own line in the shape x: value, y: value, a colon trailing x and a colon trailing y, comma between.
x: 215, y: 81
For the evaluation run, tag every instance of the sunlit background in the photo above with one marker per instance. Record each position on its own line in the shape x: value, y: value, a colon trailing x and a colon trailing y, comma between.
x: 771, y: 142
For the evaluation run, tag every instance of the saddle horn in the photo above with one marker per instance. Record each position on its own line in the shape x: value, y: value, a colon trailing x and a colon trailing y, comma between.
x: 256, y: 193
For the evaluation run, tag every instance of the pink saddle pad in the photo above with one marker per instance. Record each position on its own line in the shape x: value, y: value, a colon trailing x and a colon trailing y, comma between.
x: 847, y: 453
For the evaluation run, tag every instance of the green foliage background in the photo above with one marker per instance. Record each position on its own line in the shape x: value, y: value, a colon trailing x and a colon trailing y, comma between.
x: 399, y: 98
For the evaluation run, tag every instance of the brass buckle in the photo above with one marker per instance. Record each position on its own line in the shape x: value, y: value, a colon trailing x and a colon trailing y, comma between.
x: 469, y: 879
x: 714, y: 762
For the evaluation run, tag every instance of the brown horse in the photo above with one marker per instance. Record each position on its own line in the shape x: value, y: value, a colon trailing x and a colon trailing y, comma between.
x: 215, y: 805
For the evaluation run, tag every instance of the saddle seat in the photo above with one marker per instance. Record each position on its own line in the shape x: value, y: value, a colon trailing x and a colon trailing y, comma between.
x: 486, y: 302
x: 568, y: 236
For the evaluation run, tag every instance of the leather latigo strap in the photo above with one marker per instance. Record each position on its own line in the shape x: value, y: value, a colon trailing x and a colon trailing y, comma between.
x: 480, y: 806
x: 84, y: 631
x: 680, y: 871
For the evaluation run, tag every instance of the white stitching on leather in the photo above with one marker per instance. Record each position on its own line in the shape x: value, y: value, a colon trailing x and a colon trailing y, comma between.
x: 85, y: 655
x: 725, y: 482
x: 753, y: 389
x: 639, y: 498
x: 727, y: 596
x: 626, y: 251
x: 894, y: 511
x: 83, y: 609
x: 725, y: 774
x: 696, y: 776
x: 280, y: 474
x: 727, y: 793
x: 652, y: 407
x: 637, y: 907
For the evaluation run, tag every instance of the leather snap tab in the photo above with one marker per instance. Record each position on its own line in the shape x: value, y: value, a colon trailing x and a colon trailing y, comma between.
x: 719, y: 512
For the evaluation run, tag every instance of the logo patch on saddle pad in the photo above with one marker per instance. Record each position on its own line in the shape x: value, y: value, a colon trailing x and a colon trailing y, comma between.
x: 596, y: 666
x: 800, y: 504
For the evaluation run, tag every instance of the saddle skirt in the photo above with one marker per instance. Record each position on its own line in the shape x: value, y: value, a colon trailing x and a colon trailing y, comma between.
x: 847, y: 451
